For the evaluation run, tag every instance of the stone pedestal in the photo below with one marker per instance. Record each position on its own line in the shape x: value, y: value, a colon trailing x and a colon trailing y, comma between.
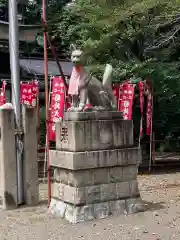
x: 95, y: 167
x: 8, y: 166
x: 8, y: 162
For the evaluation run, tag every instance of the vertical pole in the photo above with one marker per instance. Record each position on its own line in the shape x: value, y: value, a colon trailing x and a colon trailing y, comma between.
x: 46, y: 99
x: 140, y: 132
x: 150, y: 145
x: 153, y: 149
x: 45, y: 157
x: 15, y: 86
x: 54, y: 53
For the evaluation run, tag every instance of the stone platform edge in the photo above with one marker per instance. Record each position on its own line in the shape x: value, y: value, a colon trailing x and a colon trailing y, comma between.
x: 95, y: 159
x: 94, y: 115
x: 77, y: 214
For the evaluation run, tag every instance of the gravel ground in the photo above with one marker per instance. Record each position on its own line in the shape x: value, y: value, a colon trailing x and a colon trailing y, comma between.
x: 162, y: 221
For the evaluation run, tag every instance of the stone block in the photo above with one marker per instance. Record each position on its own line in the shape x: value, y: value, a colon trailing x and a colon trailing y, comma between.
x: 117, y: 207
x: 93, y: 159
x: 134, y: 189
x: 108, y: 192
x: 88, y: 177
x: 88, y: 212
x: 122, y: 156
x: 100, y: 176
x: 61, y: 188
x: 129, y: 172
x: 69, y: 194
x: 61, y: 175
x: 107, y: 158
x: 62, y: 159
x: 74, y: 195
x: 122, y: 133
x: 58, y: 190
x: 115, y: 174
x: 55, y: 191
x: 101, y: 210
x: 70, y: 216
x: 61, y: 208
x: 123, y: 190
x: 93, y: 194
x: 74, y: 178
x: 94, y: 135
x: 57, y: 207
x: 134, y: 156
x: 77, y: 214
x: 81, y: 178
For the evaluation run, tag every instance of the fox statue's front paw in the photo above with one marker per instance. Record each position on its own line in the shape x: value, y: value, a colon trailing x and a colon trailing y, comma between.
x: 76, y: 109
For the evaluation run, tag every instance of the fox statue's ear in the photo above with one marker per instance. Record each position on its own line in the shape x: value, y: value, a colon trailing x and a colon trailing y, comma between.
x: 72, y: 47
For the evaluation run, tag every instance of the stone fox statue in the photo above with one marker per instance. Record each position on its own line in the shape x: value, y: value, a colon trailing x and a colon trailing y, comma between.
x: 86, y: 89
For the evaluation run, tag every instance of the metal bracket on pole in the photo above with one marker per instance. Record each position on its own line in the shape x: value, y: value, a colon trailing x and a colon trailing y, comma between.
x: 19, y: 132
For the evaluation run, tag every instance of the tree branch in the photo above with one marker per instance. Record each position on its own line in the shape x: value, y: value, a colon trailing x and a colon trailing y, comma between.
x: 164, y: 43
x: 167, y: 25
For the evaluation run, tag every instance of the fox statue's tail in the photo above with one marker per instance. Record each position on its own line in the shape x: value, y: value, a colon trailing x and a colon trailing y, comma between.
x: 107, y: 77
x: 107, y: 84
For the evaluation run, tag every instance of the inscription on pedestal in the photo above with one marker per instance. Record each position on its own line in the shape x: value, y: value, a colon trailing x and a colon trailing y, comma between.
x: 64, y: 134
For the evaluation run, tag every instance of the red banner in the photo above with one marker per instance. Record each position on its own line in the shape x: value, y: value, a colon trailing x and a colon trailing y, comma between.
x: 116, y: 92
x: 26, y: 93
x: 126, y: 97
x: 57, y: 105
x: 29, y: 93
x: 141, y: 100
x: 3, y: 94
x: 149, y: 107
x: 35, y: 92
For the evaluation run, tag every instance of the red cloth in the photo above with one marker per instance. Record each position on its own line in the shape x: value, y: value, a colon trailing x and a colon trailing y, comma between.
x: 74, y: 80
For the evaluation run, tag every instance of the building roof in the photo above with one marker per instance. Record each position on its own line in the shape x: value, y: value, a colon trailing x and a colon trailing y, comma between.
x: 27, y: 33
x: 36, y: 66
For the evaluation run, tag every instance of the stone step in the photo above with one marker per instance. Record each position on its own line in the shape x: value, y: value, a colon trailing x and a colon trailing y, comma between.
x: 94, y: 159
x: 93, y: 194
x: 77, y: 214
x: 95, y: 176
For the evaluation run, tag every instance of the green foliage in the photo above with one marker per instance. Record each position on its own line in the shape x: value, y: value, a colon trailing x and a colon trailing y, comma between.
x: 139, y: 38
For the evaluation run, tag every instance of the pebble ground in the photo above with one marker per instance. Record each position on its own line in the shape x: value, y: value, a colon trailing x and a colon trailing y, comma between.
x: 161, y: 222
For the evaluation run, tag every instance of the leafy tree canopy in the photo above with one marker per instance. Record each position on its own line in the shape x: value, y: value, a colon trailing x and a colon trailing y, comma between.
x: 139, y: 38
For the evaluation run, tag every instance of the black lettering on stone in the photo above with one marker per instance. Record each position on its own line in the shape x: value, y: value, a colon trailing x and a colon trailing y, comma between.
x: 64, y: 134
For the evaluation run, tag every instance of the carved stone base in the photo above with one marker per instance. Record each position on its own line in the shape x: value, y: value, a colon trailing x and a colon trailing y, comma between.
x: 95, y: 165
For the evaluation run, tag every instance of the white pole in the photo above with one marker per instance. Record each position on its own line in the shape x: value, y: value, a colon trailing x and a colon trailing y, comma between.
x: 15, y: 88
